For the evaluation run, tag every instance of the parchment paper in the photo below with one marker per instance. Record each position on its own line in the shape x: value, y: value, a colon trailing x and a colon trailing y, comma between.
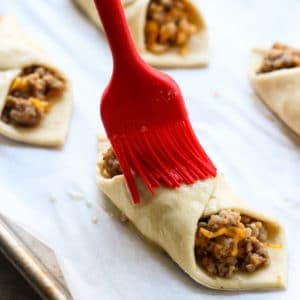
x: 53, y: 192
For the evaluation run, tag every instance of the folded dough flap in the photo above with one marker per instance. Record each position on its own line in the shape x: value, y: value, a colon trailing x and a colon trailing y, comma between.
x: 279, y: 89
x: 17, y: 52
x: 170, y: 219
x: 16, y: 48
x: 89, y: 8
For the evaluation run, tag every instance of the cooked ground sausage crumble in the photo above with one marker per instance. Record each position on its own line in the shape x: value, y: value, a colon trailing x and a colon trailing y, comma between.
x: 225, y: 243
x: 228, y: 242
x: 280, y: 56
x: 29, y: 96
x: 110, y: 166
x: 168, y: 25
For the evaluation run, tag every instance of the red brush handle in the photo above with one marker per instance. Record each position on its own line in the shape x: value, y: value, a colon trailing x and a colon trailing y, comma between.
x: 118, y: 33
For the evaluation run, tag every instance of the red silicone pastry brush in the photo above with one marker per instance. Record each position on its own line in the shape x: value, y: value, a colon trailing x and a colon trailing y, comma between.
x: 144, y: 116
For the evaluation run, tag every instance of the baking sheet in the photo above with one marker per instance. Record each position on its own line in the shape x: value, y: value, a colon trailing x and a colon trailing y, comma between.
x: 34, y: 260
x: 53, y: 191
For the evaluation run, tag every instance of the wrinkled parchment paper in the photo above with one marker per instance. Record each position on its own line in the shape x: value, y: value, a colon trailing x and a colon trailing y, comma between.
x: 53, y: 192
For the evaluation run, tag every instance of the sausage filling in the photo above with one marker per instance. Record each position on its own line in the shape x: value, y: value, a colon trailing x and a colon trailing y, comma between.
x: 30, y: 95
x: 228, y: 242
x: 168, y: 25
x: 109, y: 166
x: 225, y: 243
x: 280, y: 56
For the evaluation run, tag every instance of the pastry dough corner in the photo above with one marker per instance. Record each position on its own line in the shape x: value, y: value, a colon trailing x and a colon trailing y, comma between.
x: 279, y: 90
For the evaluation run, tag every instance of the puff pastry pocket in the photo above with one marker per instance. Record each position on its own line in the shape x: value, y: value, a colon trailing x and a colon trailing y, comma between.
x: 275, y: 77
x: 35, y: 96
x: 167, y: 33
x: 208, y: 231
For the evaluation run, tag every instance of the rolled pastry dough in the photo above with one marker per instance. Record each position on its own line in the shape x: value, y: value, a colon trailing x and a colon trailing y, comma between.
x: 170, y: 218
x: 136, y: 12
x: 279, y: 89
x: 88, y: 7
x: 16, y: 52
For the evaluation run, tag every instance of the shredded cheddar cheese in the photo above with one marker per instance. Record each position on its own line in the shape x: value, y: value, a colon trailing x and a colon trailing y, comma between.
x: 235, y: 233
x: 273, y: 246
x: 41, y: 106
x: 229, y: 231
x: 235, y: 249
x: 19, y: 84
x: 259, y: 224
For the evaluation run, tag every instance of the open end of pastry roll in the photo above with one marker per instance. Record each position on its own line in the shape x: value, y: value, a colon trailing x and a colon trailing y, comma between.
x: 230, y: 242
x: 31, y: 96
x: 170, y: 24
x: 205, y: 228
x: 35, y: 97
x: 279, y: 57
x: 275, y: 77
x: 167, y: 33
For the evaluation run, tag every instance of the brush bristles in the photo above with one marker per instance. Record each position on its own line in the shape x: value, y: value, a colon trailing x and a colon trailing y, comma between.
x: 166, y: 156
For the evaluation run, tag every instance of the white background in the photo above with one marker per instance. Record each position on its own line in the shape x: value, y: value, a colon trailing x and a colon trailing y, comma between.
x: 259, y: 155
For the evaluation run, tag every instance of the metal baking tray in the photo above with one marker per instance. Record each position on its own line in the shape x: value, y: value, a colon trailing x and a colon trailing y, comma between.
x: 35, y: 261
